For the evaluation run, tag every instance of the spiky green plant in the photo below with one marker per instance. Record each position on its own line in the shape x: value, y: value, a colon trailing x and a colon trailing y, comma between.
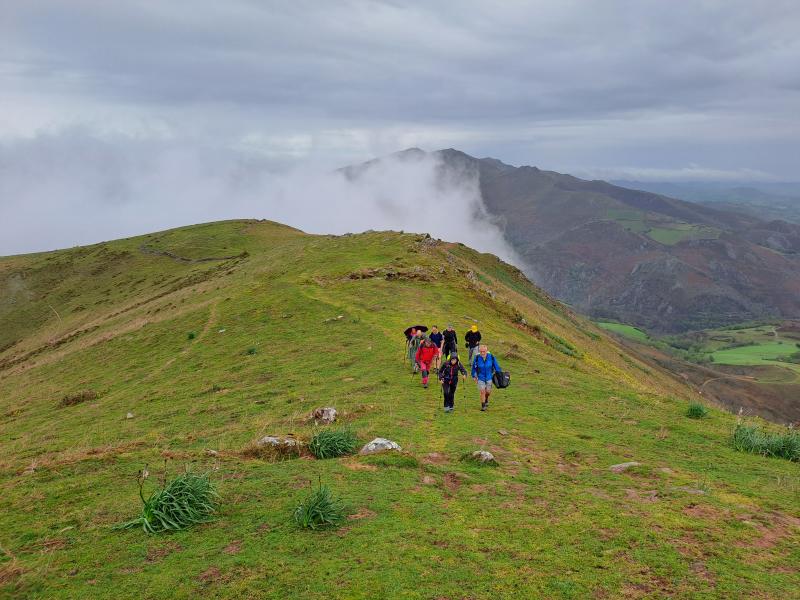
x: 187, y: 500
x: 696, y: 411
x: 320, y: 510
x: 330, y: 443
x: 749, y: 438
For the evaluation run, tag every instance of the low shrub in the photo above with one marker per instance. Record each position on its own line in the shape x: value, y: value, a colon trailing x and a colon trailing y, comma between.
x: 749, y: 438
x: 78, y: 397
x: 696, y: 411
x: 330, y: 443
x: 191, y: 335
x: 187, y: 500
x: 320, y: 510
x: 250, y: 351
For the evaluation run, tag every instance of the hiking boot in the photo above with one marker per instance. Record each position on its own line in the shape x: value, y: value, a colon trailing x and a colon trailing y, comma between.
x: 425, y: 385
x: 483, y: 406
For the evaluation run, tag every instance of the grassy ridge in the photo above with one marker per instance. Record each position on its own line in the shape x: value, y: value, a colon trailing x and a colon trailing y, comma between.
x: 324, y: 315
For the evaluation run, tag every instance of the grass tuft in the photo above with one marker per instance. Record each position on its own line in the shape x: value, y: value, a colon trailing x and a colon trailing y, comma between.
x: 749, y: 438
x: 187, y: 500
x: 78, y: 397
x: 330, y: 443
x: 191, y: 335
x: 250, y: 351
x: 398, y: 460
x: 320, y: 510
x: 696, y: 411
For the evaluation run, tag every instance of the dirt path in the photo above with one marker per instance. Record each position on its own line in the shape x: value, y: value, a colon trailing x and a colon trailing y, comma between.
x: 737, y: 377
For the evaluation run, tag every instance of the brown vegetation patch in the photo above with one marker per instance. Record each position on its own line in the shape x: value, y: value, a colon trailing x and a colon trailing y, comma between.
x: 435, y: 458
x: 210, y: 575
x: 78, y: 397
x: 10, y: 571
x: 157, y: 552
x: 234, y: 547
x: 451, y: 482
x: 361, y: 513
x: 701, y: 511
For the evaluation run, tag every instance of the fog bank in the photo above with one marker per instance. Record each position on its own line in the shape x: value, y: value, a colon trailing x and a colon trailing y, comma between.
x: 75, y: 188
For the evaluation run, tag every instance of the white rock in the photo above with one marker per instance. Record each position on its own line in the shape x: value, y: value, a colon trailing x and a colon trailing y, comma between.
x: 379, y: 445
x: 623, y: 466
x: 483, y: 456
x: 271, y: 440
x: 326, y: 414
x: 129, y: 415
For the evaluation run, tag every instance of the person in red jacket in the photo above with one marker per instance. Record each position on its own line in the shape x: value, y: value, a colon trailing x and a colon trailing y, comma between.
x: 424, y: 357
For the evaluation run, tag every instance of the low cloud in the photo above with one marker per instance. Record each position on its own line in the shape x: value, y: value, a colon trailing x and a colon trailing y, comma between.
x: 76, y: 187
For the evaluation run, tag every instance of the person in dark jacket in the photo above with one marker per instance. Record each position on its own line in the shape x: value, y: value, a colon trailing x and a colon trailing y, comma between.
x: 482, y: 368
x: 438, y: 339
x: 448, y: 377
x: 425, y: 355
x: 450, y: 344
x: 473, y: 338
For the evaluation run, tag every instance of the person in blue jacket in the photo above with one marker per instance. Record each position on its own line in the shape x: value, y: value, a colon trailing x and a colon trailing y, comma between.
x: 482, y: 368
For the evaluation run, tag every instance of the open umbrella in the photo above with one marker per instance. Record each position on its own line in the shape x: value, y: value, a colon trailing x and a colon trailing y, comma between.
x: 417, y: 327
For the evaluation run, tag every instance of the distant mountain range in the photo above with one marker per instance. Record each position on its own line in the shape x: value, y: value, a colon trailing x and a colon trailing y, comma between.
x: 765, y: 200
x: 640, y: 257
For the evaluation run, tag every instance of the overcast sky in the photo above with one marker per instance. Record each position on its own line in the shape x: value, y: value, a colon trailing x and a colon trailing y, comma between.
x: 612, y: 89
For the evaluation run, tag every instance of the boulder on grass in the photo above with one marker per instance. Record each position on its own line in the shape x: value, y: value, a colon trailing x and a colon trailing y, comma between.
x: 325, y: 415
x: 277, y: 442
x: 483, y: 456
x: 380, y: 445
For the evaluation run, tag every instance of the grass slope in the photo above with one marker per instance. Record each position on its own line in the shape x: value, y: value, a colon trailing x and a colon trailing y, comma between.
x: 323, y: 315
x: 628, y: 331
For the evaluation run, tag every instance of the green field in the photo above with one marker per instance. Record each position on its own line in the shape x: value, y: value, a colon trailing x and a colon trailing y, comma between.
x: 194, y: 361
x: 759, y: 354
x: 660, y: 229
x: 628, y: 331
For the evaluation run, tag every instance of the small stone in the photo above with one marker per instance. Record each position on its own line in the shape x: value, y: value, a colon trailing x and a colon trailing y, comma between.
x: 428, y: 480
x: 623, y: 466
x: 502, y: 432
x: 129, y: 415
x: 271, y: 440
x: 380, y: 445
x: 483, y: 456
x: 325, y: 415
x: 211, y: 452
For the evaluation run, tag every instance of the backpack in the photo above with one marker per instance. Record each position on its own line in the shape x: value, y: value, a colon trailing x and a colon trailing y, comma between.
x: 501, y: 379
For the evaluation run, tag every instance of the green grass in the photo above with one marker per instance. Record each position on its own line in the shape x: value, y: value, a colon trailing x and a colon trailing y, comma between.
x: 320, y: 510
x: 189, y: 499
x: 330, y: 443
x: 757, y: 354
x: 550, y: 521
x: 696, y: 411
x: 751, y: 438
x: 628, y: 331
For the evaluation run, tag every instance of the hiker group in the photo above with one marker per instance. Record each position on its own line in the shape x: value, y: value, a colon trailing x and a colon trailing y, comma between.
x: 438, y: 352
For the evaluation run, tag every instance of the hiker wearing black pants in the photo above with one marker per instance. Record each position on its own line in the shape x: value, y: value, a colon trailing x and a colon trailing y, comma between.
x: 473, y: 338
x: 448, y: 377
x: 450, y: 343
